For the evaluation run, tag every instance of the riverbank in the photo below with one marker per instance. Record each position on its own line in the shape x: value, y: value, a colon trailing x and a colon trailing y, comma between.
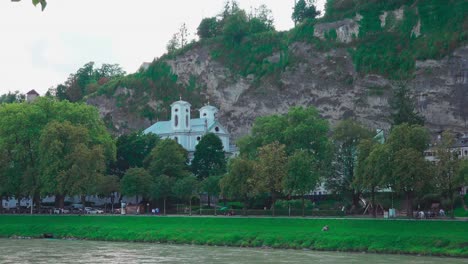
x: 439, y: 238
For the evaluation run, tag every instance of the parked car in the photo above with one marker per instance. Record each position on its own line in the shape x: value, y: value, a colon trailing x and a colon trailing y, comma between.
x: 61, y: 211
x: 95, y: 211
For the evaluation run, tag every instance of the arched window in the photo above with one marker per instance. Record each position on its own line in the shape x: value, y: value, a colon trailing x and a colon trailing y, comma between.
x: 186, y: 121
x: 198, y: 138
x: 176, y: 120
x: 176, y: 110
x: 217, y: 129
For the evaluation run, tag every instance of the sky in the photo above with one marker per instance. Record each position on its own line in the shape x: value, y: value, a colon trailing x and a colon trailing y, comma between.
x: 39, y: 50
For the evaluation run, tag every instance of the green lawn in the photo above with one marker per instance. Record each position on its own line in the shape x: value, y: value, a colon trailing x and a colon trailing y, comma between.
x: 390, y: 236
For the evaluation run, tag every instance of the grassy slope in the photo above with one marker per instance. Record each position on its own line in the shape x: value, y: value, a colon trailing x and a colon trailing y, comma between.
x: 416, y: 237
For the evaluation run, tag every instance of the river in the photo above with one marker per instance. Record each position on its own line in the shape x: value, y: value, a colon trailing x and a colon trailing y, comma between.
x: 65, y: 251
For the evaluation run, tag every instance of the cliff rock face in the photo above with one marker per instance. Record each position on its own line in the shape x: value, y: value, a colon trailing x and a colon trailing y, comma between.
x: 326, y: 80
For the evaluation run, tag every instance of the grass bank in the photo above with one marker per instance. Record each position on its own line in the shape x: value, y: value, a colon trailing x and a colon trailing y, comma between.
x: 444, y: 238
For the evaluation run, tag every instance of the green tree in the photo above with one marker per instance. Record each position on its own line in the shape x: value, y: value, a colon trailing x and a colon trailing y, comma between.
x: 209, y: 157
x: 70, y: 162
x: 373, y: 167
x: 210, y: 185
x: 21, y: 127
x: 403, y: 108
x: 107, y: 186
x: 235, y: 27
x: 409, y: 175
x: 185, y: 189
x: 136, y: 182
x: 238, y: 182
x: 9, y: 98
x: 168, y: 158
x: 161, y: 189
x: 132, y: 150
x: 208, y: 28
x: 300, y: 128
x: 409, y: 169
x: 271, y: 170
x: 346, y: 136
x: 303, y: 176
x: 304, y: 9
x: 447, y: 169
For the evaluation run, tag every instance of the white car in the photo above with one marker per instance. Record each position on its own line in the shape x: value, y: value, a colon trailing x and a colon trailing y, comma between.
x: 95, y: 211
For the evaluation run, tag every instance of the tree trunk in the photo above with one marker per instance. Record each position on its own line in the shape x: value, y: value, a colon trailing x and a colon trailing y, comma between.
x: 164, y: 205
x: 374, y: 208
x: 303, y: 206
x: 273, y: 199
x: 59, y: 201
x: 1, y: 204
x: 209, y: 200
x: 356, y: 200
x: 409, y: 204
x: 190, y: 206
x: 452, y: 202
x: 83, y: 200
x: 37, y: 200
x: 245, y: 206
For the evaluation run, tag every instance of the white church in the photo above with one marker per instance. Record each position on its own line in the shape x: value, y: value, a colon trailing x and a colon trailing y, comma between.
x: 187, y: 131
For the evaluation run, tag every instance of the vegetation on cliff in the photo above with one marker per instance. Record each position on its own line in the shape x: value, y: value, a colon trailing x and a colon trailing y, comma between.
x: 392, y: 35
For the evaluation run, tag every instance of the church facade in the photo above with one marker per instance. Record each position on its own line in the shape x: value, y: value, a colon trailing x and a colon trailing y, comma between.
x: 187, y: 131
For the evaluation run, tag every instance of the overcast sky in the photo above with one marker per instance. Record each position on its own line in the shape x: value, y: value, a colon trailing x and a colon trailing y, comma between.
x: 39, y: 50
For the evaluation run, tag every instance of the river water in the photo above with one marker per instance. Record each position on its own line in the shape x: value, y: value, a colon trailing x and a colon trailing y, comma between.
x: 65, y: 251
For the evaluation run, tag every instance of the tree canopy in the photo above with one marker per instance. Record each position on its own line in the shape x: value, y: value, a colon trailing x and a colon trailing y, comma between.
x: 209, y: 157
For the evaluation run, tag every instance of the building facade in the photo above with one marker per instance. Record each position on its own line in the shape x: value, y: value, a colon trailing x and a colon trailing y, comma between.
x: 188, y: 131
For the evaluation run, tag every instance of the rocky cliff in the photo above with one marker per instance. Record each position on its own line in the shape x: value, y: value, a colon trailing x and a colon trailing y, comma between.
x: 326, y: 79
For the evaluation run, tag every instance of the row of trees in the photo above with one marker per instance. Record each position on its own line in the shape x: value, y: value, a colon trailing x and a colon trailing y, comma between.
x: 52, y: 148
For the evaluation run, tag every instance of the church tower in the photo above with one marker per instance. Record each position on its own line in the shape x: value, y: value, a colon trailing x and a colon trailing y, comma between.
x: 180, y: 116
x: 208, y: 112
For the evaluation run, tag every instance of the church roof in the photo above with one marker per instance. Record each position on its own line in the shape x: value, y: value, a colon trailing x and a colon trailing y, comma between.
x: 197, y: 125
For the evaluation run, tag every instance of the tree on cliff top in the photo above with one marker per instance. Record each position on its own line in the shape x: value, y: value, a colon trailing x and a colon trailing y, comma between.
x: 304, y: 9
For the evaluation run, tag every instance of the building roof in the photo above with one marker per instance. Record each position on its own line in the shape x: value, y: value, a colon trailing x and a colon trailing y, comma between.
x: 197, y: 125
x: 32, y: 92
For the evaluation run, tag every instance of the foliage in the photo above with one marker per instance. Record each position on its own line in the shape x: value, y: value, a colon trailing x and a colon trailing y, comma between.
x: 373, y: 168
x: 238, y: 182
x: 9, y: 98
x: 70, y: 163
x: 271, y: 170
x: 168, y: 158
x: 447, y: 177
x: 300, y: 128
x: 347, y: 135
x: 23, y: 130
x: 162, y: 188
x: 87, y: 80
x: 208, y: 28
x: 179, y: 40
x: 185, y: 188
x: 132, y: 150
x: 403, y: 108
x: 136, y: 181
x: 446, y: 238
x: 42, y: 2
x: 304, y: 10
x: 303, y: 175
x: 392, y: 50
x: 209, y: 158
